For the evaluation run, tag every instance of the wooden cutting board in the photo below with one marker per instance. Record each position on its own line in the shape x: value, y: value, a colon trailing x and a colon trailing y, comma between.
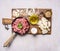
x: 9, y: 20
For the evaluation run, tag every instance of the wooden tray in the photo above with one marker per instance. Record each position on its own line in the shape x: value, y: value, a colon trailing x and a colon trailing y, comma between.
x: 26, y: 16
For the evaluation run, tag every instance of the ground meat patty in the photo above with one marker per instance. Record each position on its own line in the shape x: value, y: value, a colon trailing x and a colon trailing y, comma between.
x: 25, y: 25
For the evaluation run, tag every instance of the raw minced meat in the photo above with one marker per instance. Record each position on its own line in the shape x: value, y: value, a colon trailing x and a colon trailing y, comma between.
x: 24, y: 25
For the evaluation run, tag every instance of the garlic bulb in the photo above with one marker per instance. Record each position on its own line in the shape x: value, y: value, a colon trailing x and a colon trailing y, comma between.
x: 15, y: 13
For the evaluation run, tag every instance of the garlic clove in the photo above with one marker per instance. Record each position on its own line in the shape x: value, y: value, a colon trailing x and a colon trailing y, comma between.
x: 44, y: 31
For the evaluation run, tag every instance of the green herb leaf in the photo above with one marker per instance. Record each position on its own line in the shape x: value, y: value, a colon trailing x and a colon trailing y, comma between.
x: 19, y: 25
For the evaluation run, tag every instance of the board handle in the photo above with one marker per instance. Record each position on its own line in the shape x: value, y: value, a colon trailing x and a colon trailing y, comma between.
x: 8, y: 42
x: 6, y: 21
